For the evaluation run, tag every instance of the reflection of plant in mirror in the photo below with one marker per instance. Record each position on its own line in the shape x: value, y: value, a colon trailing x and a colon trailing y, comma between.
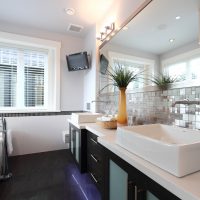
x: 121, y: 76
x: 163, y: 81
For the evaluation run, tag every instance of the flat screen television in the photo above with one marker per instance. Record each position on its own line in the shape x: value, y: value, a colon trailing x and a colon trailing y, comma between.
x: 77, y: 61
x: 103, y: 64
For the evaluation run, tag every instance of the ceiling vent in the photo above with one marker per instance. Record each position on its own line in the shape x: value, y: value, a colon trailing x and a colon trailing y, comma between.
x: 75, y: 28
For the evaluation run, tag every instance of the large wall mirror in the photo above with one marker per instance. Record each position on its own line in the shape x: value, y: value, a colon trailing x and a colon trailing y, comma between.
x: 163, y: 37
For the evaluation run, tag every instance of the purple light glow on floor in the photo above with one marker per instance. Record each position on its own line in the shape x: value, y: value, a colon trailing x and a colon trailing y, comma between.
x: 82, y: 182
x: 80, y: 187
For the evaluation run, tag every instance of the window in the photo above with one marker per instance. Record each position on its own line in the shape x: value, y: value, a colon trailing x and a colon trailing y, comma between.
x: 136, y: 68
x: 185, y: 67
x: 8, y: 77
x: 194, y: 66
x: 136, y: 64
x: 35, y: 68
x: 178, y: 70
x: 28, y: 76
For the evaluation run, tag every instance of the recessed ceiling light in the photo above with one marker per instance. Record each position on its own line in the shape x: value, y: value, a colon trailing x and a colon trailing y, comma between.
x: 178, y: 17
x: 125, y: 28
x: 69, y: 11
x: 171, y: 40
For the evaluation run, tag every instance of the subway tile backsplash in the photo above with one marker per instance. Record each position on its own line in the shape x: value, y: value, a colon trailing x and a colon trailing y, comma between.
x: 157, y: 107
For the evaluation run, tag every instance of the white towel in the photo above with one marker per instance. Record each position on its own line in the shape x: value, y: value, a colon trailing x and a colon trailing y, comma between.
x: 9, y: 142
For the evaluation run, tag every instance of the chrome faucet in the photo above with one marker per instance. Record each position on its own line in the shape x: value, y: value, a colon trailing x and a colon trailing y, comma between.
x: 108, y: 106
x: 186, y: 102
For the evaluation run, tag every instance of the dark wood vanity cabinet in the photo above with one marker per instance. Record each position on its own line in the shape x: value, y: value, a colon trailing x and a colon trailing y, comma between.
x: 78, y: 146
x: 128, y: 183
x: 96, y: 163
x: 115, y: 178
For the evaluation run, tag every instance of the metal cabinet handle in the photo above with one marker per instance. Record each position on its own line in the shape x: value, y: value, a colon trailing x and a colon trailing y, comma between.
x: 96, y: 160
x: 136, y: 192
x: 132, y: 187
x: 93, y: 140
x: 96, y: 181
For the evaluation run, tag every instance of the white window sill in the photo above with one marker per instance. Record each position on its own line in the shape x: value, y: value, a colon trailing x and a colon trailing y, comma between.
x: 152, y: 88
x: 27, y: 111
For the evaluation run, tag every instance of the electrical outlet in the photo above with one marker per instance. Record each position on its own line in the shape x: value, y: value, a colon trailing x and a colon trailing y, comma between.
x: 88, y: 106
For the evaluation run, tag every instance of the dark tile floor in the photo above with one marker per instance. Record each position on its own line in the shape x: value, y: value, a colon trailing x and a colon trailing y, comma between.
x: 47, y: 176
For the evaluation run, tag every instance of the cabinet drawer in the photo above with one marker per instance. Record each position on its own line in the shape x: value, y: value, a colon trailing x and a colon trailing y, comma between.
x: 95, y: 162
x: 92, y: 137
x: 95, y: 149
x: 97, y: 178
x: 92, y: 142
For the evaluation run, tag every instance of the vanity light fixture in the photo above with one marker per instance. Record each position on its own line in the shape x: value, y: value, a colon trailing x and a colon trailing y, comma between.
x: 109, y: 31
x: 70, y: 11
x: 171, y: 40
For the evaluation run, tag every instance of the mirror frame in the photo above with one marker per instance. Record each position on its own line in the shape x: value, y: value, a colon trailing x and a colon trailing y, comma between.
x: 133, y: 15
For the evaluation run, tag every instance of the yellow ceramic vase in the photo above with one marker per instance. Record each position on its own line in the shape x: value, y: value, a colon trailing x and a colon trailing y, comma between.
x: 122, y: 113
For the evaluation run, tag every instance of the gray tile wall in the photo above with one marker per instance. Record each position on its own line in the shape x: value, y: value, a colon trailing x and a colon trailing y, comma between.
x: 157, y: 107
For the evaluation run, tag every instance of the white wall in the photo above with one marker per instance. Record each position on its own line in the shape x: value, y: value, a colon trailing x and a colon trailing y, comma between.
x: 70, y: 81
x: 185, y: 48
x: 90, y: 77
x: 130, y: 51
x: 44, y: 133
x: 33, y: 134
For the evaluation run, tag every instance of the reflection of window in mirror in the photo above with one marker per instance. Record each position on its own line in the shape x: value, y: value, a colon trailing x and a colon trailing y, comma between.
x: 143, y: 66
x: 184, y: 66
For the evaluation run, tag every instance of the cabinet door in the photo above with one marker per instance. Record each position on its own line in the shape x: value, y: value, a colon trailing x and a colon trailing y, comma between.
x: 77, y: 145
x: 72, y: 146
x: 128, y: 183
x: 141, y: 194
x: 150, y: 196
x: 118, y: 182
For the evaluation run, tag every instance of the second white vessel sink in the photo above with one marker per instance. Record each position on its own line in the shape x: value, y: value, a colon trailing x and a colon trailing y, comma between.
x: 173, y: 149
x: 85, y: 117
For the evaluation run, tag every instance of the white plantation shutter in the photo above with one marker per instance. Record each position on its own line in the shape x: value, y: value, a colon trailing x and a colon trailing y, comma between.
x: 29, y: 74
x: 35, y: 64
x: 8, y: 77
x: 22, y: 78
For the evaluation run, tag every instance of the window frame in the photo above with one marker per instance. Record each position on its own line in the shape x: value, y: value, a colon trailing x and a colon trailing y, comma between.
x: 184, y: 57
x: 53, y: 49
x: 139, y: 60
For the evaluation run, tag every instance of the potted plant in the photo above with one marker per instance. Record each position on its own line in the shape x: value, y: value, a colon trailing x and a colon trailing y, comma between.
x: 163, y: 81
x: 121, y: 78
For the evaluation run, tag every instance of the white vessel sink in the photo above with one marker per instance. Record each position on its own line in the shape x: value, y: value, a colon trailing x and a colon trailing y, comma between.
x: 173, y: 149
x: 85, y: 117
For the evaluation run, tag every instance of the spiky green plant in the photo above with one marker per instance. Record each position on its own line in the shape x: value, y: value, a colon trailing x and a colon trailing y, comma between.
x: 122, y: 76
x: 163, y: 81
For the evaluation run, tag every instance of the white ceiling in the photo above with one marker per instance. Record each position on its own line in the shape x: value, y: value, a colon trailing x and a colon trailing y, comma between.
x: 151, y: 30
x: 50, y: 15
